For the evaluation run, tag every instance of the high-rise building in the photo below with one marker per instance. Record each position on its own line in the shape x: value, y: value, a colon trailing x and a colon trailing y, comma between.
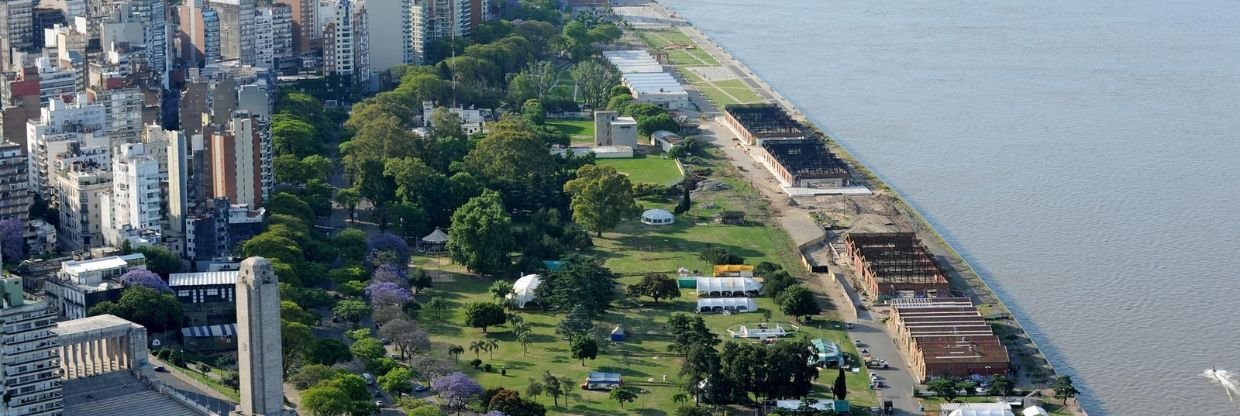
x: 304, y: 23
x: 44, y: 19
x: 241, y: 160
x: 16, y: 29
x: 56, y: 81
x: 429, y: 20
x: 124, y: 111
x: 178, y: 183
x: 260, y: 361
x: 388, y: 21
x: 264, y: 39
x: 237, y: 30
x: 61, y: 128
x: 199, y: 33
x: 346, y: 41
x: 152, y: 16
x: 132, y: 210
x: 29, y: 357
x: 80, y: 192
x: 282, y: 34
x: 15, y: 196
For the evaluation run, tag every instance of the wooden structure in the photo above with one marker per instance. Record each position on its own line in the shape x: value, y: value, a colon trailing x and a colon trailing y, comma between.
x: 757, y: 122
x: 895, y: 265
x: 804, y: 163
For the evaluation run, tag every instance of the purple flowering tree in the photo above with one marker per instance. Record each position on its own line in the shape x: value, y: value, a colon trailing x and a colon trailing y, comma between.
x: 387, y: 293
x: 391, y: 273
x: 144, y: 278
x: 457, y: 389
x: 387, y: 248
x: 494, y: 413
x: 12, y: 241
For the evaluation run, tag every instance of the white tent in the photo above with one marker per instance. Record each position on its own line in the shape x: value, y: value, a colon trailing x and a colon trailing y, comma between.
x: 976, y: 409
x: 728, y: 286
x: 523, y: 290
x: 657, y: 217
x: 730, y: 305
x: 1034, y: 411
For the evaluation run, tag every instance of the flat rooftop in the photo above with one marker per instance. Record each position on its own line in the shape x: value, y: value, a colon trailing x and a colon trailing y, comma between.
x: 202, y: 279
x: 93, y: 323
x: 895, y: 258
x: 653, y: 83
x: 764, y: 120
x: 104, y: 263
x: 633, y: 61
x: 806, y: 158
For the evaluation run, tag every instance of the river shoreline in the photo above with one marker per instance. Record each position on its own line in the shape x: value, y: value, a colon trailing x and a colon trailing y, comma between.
x: 962, y: 275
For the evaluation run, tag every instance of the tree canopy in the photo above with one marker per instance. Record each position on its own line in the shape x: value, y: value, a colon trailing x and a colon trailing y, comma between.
x: 481, y: 234
x: 601, y: 198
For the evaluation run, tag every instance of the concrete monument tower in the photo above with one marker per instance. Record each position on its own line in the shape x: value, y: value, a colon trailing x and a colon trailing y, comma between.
x: 259, y: 355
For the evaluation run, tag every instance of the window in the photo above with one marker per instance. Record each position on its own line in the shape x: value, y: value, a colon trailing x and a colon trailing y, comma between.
x: 182, y: 293
x: 213, y: 292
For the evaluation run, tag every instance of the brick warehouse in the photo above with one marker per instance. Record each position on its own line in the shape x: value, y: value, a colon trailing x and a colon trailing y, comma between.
x: 895, y: 265
x: 947, y: 337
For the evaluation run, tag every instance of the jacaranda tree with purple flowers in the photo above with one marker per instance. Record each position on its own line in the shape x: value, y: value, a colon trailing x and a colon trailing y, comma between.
x: 387, y: 293
x: 457, y: 389
x: 391, y: 273
x: 11, y: 239
x: 387, y: 248
x: 144, y: 278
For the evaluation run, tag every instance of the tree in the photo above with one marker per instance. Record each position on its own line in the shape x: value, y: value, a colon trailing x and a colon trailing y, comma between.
x: 968, y: 386
x: 593, y: 80
x: 648, y: 125
x: 483, y: 315
x: 328, y: 351
x: 776, y: 283
x: 840, y: 389
x: 657, y: 286
x: 351, y: 310
x: 457, y: 390
x: 398, y: 380
x: 601, y: 198
x: 420, y: 280
x: 157, y: 312
x: 720, y: 255
x: 290, y: 311
x: 553, y: 387
x: 944, y: 387
x: 623, y: 395
x: 368, y: 349
x: 390, y: 249
x: 577, y: 322
x: 387, y: 293
x: 144, y: 278
x: 582, y: 281
x: 437, y: 305
x: 310, y: 375
x: 351, y: 245
x: 1064, y: 389
x: 524, y: 336
x: 689, y: 331
x: 514, y: 160
x: 455, y: 351
x: 534, y: 388
x: 692, y: 411
x: 500, y: 289
x: 999, y: 385
x: 297, y: 340
x: 11, y: 239
x: 325, y: 401
x: 492, y: 345
x: 798, y: 301
x: 534, y: 113
x: 408, y: 338
x: 509, y: 403
x: 566, y: 384
x: 159, y: 259
x: 477, y: 347
x: 481, y: 234
x: 584, y: 347
x: 348, y: 198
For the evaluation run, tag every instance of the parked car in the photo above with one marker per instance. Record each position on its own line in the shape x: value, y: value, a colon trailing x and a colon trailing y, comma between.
x: 418, y: 387
x: 370, y: 379
x: 160, y: 369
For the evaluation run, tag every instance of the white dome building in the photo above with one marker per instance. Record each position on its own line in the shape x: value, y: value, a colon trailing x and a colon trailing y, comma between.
x: 523, y: 290
x: 657, y: 217
x: 1034, y: 411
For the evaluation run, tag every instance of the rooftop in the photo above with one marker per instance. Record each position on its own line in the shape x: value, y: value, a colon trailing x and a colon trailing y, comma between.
x: 116, y: 394
x: 805, y: 158
x: 202, y: 279
x: 660, y: 83
x: 633, y: 61
x: 105, y: 263
x: 764, y: 120
x: 93, y: 323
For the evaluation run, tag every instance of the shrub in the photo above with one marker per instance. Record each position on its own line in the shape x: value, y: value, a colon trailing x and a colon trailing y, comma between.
x: 487, y: 367
x: 475, y: 363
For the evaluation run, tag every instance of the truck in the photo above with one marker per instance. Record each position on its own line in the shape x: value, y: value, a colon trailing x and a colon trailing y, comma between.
x: 876, y: 363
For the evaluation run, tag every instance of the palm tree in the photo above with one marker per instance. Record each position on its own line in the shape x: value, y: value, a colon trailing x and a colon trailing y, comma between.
x: 477, y: 346
x: 438, y: 305
x: 455, y: 351
x: 492, y: 345
x: 522, y: 332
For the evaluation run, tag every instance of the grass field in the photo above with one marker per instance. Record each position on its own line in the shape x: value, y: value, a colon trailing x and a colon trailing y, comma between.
x: 578, y: 131
x: 720, y: 93
x: 648, y: 169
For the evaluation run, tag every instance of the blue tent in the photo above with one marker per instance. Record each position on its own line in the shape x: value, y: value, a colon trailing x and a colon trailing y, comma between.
x: 617, y: 334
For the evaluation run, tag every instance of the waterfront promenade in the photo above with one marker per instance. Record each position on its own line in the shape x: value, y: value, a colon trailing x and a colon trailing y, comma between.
x: 795, y: 218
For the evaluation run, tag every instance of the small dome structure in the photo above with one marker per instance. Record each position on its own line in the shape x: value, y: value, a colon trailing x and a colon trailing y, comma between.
x: 1034, y: 411
x: 657, y: 217
x: 523, y: 290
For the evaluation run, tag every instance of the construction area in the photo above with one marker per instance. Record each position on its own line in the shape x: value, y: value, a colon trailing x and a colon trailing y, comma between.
x: 804, y: 163
x: 758, y: 122
x: 895, y: 265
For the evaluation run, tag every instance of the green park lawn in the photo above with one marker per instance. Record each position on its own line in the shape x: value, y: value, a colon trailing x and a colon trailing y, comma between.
x: 578, y: 131
x: 647, y: 169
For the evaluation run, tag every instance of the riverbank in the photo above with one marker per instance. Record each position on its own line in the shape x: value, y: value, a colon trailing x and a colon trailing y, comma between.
x: 851, y: 212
